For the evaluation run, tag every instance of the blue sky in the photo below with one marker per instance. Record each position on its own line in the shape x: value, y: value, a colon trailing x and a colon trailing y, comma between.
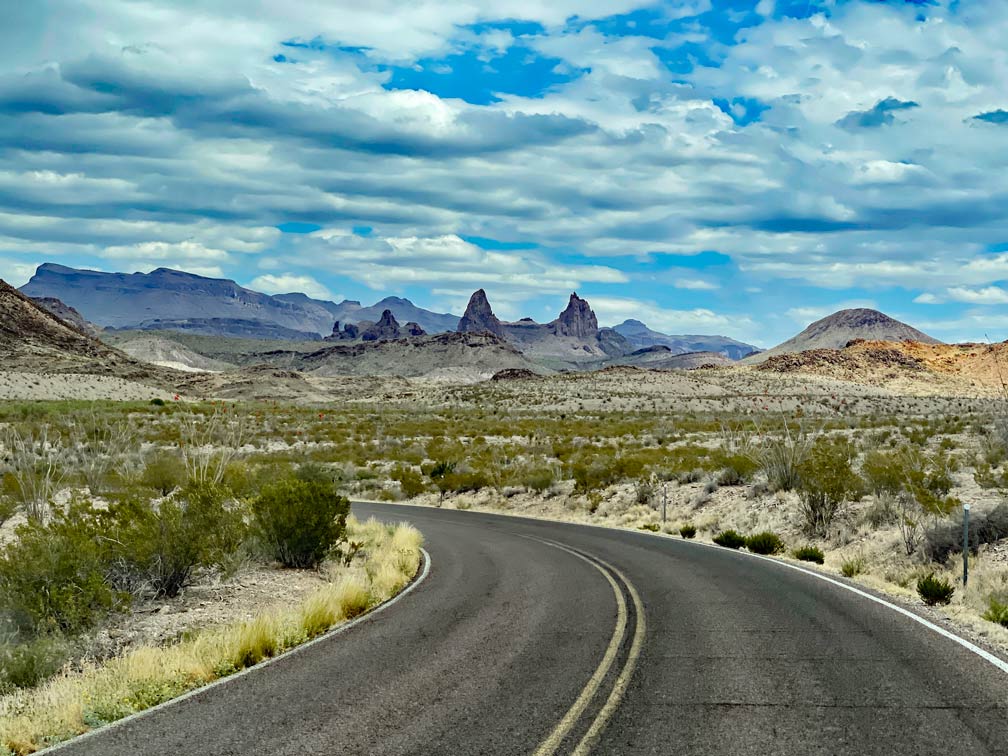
x: 739, y: 167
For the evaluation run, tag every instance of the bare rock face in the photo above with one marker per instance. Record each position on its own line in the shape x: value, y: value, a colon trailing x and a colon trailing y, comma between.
x: 386, y: 329
x: 414, y: 329
x: 349, y: 332
x: 479, y: 317
x: 577, y: 320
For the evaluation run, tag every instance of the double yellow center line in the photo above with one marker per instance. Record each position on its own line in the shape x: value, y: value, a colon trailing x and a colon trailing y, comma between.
x: 562, y: 730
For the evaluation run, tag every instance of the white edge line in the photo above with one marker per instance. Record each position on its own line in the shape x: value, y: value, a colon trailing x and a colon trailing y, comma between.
x: 248, y: 670
x: 998, y: 662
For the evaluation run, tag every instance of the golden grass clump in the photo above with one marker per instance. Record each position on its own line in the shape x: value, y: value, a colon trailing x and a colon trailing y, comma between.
x: 76, y: 701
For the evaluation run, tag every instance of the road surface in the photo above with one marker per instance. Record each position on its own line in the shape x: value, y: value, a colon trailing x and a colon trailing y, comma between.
x: 532, y: 637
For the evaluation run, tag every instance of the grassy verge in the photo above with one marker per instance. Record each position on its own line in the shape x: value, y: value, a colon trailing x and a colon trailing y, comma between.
x: 79, y: 700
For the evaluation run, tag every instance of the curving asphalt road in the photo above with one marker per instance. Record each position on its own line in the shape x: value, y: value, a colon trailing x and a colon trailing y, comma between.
x: 531, y: 637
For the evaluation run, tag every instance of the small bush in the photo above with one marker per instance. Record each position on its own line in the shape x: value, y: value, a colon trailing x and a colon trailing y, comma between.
x: 687, y: 531
x: 411, y: 483
x: 24, y: 665
x: 766, y: 542
x: 852, y: 567
x: 730, y: 539
x: 157, y: 549
x: 934, y: 591
x: 827, y: 481
x: 810, y: 554
x: 652, y: 526
x: 164, y: 473
x: 157, y: 402
x: 738, y: 469
x: 996, y: 612
x: 52, y: 575
x: 299, y: 521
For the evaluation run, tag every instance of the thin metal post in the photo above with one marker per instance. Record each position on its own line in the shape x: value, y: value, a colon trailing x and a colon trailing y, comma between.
x: 664, y: 500
x: 966, y: 511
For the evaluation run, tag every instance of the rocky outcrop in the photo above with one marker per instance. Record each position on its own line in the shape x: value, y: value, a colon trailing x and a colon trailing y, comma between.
x: 479, y: 317
x: 386, y: 329
x: 348, y: 332
x: 413, y: 329
x: 578, y: 320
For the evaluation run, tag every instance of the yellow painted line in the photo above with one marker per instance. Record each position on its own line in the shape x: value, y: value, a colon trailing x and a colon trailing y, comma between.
x: 619, y: 689
x: 550, y: 745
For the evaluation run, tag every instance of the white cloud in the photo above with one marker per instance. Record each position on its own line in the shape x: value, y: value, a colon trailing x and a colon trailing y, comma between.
x: 697, y: 284
x: 988, y: 295
x: 288, y: 283
x: 614, y: 310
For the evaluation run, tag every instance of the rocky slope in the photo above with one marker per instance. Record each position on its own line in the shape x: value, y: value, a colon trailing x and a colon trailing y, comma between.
x: 471, y: 356
x: 640, y: 336
x: 837, y: 330
x: 67, y: 314
x: 158, y: 350
x: 33, y: 339
x: 663, y: 358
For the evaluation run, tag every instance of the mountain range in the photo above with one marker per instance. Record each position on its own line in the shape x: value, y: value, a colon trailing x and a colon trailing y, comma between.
x: 174, y: 300
x: 640, y: 336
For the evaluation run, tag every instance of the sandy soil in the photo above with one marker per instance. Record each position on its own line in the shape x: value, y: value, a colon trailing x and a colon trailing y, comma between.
x: 22, y: 386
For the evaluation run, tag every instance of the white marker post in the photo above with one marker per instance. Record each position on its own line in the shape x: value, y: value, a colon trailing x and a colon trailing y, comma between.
x: 966, y: 510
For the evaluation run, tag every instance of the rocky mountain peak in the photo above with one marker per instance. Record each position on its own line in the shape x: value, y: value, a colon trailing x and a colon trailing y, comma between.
x: 577, y: 320
x: 386, y: 329
x: 479, y: 317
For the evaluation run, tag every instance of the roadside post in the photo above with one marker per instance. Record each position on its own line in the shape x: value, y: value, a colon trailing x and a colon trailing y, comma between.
x: 966, y: 511
x: 664, y: 500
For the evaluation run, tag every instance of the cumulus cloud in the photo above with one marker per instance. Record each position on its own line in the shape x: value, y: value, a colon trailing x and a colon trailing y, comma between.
x: 696, y: 284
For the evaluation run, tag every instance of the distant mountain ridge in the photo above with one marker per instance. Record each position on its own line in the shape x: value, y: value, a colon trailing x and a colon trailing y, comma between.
x: 174, y: 299
x: 640, y: 336
x: 839, y: 329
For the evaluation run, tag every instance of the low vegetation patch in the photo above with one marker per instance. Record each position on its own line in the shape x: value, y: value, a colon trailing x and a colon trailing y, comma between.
x: 997, y: 611
x: 810, y: 554
x: 76, y: 701
x: 766, y: 542
x: 687, y: 531
x: 730, y: 539
x: 934, y: 591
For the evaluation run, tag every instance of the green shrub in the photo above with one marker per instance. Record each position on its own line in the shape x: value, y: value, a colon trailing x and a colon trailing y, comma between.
x: 827, y: 481
x: 538, y: 479
x: 24, y: 665
x: 157, y: 549
x: 52, y: 575
x: 737, y: 469
x: 945, y: 538
x: 163, y: 472
x: 810, y: 554
x: 157, y: 402
x: 411, y: 483
x: 852, y: 567
x: 934, y: 590
x: 687, y: 531
x: 730, y: 539
x: 654, y: 527
x: 996, y: 612
x: 299, y: 521
x: 766, y: 542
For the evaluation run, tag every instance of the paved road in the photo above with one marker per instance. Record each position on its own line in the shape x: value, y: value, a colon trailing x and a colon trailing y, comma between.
x: 513, y: 645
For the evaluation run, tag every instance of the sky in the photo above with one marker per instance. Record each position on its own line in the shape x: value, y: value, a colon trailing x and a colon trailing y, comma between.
x: 739, y: 167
